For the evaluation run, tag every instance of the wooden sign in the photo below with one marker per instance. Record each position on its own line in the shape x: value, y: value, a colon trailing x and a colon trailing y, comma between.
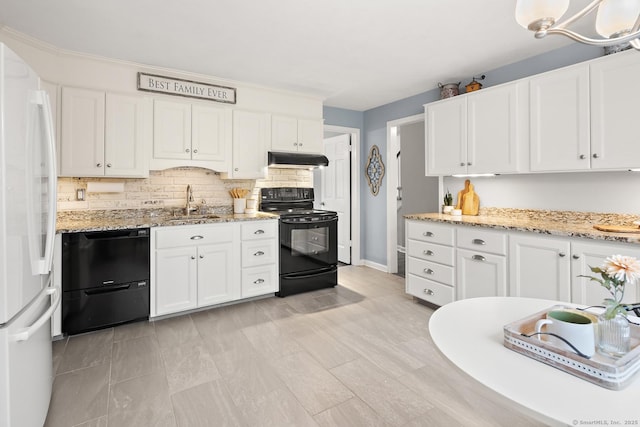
x: 190, y: 89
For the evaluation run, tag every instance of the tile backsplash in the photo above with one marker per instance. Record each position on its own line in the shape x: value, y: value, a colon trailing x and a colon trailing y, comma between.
x: 168, y: 188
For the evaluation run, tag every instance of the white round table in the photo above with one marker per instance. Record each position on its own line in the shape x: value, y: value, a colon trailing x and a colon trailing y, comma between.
x: 470, y: 334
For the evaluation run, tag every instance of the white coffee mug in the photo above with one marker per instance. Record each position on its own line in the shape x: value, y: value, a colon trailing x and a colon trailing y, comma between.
x: 575, y: 327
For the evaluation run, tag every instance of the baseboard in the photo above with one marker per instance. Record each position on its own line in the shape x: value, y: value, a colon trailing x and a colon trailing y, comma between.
x: 375, y: 266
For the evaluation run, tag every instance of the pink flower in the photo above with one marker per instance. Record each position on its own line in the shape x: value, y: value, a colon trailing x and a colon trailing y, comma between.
x: 623, y: 268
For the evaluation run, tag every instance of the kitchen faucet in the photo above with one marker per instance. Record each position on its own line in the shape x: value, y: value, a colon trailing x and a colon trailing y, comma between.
x: 188, y: 209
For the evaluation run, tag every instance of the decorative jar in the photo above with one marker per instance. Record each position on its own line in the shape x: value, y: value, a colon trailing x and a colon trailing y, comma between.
x: 613, y: 336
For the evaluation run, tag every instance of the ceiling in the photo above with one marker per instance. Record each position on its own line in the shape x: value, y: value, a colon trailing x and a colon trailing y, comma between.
x: 356, y: 54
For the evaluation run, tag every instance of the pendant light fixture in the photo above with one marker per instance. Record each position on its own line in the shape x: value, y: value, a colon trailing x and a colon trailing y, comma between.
x: 617, y: 21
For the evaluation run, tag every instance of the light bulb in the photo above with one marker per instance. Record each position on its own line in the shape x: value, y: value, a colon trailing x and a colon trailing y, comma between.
x: 530, y: 11
x: 616, y: 16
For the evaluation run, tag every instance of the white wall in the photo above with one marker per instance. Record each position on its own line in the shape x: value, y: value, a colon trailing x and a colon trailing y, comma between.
x: 603, y: 192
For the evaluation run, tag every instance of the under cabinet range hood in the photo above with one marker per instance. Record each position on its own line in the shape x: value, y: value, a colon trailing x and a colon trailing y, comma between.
x: 297, y: 160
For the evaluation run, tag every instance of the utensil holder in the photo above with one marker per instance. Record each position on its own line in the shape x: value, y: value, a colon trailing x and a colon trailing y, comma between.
x: 239, y: 205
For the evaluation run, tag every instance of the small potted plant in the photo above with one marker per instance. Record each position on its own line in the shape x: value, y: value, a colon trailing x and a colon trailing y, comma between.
x: 447, y: 207
x: 613, y: 335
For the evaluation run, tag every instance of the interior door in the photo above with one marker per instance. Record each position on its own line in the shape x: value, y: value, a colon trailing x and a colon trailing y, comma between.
x: 335, y: 189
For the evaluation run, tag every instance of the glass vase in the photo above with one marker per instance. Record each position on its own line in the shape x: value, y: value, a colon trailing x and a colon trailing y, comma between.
x: 613, y: 336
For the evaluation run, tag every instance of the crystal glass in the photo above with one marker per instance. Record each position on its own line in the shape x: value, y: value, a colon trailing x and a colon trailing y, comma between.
x: 613, y: 336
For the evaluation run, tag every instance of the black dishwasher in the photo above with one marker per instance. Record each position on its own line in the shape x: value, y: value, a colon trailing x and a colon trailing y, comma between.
x: 105, y: 279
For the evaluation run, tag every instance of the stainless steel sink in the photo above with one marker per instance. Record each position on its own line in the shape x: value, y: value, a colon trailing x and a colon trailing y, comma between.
x: 192, y: 218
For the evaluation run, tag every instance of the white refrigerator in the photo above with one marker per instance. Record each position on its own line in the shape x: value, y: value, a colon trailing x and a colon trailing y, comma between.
x: 27, y: 230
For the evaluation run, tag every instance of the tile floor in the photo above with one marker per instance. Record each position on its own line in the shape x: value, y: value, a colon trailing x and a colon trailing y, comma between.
x: 355, y: 355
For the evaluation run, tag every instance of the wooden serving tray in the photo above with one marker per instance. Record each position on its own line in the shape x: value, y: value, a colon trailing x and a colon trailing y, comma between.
x: 614, y: 374
x: 618, y: 228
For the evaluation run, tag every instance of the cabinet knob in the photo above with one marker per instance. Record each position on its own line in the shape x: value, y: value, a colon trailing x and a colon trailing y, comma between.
x: 193, y: 257
x: 300, y: 144
x: 468, y: 163
x: 201, y: 256
x: 461, y: 163
x: 99, y: 165
x: 108, y: 165
x: 195, y: 150
x: 259, y: 253
x: 427, y: 234
x: 236, y: 169
x: 562, y: 255
x: 576, y: 256
x: 478, y: 242
x: 258, y: 281
x: 428, y: 271
x: 295, y: 144
x: 478, y: 258
x: 187, y: 150
x: 258, y: 232
x: 582, y: 157
x: 428, y: 253
x: 428, y: 291
x: 595, y: 155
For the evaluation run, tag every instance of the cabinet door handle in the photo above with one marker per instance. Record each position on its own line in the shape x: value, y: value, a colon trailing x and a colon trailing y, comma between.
x: 461, y: 163
x: 99, y: 165
x: 427, y: 234
x: 478, y: 258
x: 258, y: 281
x: 478, y: 242
x: 197, y: 237
x: 562, y: 255
x: 428, y: 291
x: 428, y: 271
x: 428, y: 253
x: 259, y: 231
x: 108, y: 165
x: 236, y: 169
x: 576, y: 256
x: 595, y: 155
x: 295, y: 144
x: 582, y: 157
x: 187, y: 150
x: 195, y: 151
x: 468, y: 163
x: 201, y: 256
x: 192, y: 257
x: 259, y: 253
x: 299, y: 144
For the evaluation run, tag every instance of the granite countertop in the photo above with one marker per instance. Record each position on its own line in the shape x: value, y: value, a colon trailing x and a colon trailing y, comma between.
x: 101, y: 220
x: 556, y: 223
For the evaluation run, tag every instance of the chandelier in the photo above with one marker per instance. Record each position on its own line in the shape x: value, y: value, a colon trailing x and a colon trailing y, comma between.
x: 617, y: 21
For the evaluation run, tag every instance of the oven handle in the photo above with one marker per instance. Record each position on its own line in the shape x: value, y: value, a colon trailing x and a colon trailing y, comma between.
x: 307, y: 275
x: 325, y: 221
x: 107, y: 290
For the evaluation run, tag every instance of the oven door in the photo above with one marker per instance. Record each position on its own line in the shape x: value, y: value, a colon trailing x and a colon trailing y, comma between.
x: 308, y: 245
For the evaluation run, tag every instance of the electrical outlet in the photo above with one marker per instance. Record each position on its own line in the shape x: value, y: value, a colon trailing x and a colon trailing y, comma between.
x: 80, y: 194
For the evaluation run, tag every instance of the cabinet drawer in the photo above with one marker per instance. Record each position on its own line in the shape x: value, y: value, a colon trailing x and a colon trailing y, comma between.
x: 427, y: 231
x: 429, y: 252
x: 435, y: 293
x: 431, y: 270
x: 260, y: 252
x: 259, y: 230
x: 173, y: 237
x: 259, y: 280
x: 471, y: 238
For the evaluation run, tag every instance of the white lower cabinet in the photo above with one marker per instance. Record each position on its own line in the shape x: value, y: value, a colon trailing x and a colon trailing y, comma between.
x: 539, y: 267
x: 588, y: 254
x: 196, y: 266
x: 480, y: 274
x: 430, y: 260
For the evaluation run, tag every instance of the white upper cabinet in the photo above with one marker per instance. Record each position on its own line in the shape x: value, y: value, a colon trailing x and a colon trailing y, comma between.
x: 559, y: 132
x: 251, y: 140
x: 482, y: 132
x: 497, y: 129
x: 292, y: 134
x: 104, y: 134
x: 615, y: 134
x: 446, y: 137
x: 191, y: 134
